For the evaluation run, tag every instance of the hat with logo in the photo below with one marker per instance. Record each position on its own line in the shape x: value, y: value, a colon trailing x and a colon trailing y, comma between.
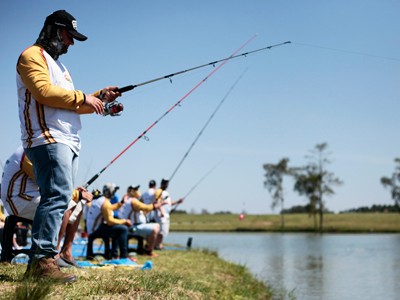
x: 63, y: 19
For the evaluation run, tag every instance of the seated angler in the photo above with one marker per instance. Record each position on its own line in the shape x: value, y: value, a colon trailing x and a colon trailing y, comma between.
x: 21, y: 197
x: 135, y: 210
x: 101, y: 222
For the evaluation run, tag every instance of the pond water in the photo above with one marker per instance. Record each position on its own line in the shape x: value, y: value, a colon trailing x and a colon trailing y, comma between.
x: 311, y: 266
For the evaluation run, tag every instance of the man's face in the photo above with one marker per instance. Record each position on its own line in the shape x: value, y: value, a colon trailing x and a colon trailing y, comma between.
x: 67, y: 38
x: 134, y: 193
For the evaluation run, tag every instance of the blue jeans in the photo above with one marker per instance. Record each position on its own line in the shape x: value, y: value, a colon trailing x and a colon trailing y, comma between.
x: 119, y: 235
x: 55, y: 167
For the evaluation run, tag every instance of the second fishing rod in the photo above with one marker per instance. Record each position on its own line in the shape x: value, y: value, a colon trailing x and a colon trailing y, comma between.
x: 205, y: 125
x: 199, y: 134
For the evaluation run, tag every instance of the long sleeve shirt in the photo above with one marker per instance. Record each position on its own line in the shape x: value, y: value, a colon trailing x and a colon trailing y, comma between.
x: 107, y: 211
x: 49, y: 105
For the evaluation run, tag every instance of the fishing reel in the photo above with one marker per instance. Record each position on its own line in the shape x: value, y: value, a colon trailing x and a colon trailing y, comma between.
x: 96, y: 194
x: 113, y: 108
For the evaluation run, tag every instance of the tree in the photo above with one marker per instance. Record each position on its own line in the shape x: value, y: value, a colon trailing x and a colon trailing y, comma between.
x: 273, y: 182
x: 306, y: 184
x: 316, y: 182
x: 393, y: 183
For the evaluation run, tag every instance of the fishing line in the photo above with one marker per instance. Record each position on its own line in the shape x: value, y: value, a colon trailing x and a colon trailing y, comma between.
x: 198, y: 183
x: 347, y: 51
x: 206, y: 124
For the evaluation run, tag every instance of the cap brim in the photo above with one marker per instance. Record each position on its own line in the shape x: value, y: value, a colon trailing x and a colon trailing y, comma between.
x: 78, y: 36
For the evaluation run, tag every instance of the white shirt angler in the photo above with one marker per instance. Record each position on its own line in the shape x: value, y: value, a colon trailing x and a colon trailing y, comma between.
x: 148, y: 196
x: 93, y: 215
x: 166, y: 207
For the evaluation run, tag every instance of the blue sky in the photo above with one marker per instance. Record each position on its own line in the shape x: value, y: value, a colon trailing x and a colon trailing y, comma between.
x: 336, y: 83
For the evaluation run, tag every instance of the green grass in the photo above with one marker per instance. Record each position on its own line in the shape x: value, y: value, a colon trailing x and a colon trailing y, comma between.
x: 195, y: 274
x: 352, y: 222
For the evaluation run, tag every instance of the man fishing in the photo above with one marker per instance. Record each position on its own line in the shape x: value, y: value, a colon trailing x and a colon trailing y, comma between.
x: 49, y: 113
x: 163, y: 216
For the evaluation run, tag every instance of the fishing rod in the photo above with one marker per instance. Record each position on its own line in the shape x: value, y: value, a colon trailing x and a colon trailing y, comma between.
x: 115, y: 108
x: 197, y: 184
x: 206, y: 124
x: 82, y: 202
x: 213, y: 63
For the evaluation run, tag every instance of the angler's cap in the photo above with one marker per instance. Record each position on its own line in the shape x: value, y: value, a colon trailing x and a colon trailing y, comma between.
x: 135, y: 188
x: 63, y: 19
x: 111, y: 187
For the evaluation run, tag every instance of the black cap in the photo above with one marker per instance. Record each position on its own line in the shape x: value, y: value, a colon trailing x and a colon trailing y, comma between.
x: 63, y: 19
x: 134, y: 187
x: 164, y: 181
x: 152, y: 183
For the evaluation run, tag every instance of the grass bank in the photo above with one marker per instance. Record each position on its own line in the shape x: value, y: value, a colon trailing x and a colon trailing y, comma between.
x: 351, y: 223
x: 195, y: 274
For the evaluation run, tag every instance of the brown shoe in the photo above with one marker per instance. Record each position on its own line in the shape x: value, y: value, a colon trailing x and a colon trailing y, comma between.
x: 46, y: 268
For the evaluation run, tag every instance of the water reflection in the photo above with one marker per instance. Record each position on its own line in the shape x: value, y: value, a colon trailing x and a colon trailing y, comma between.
x: 314, y: 266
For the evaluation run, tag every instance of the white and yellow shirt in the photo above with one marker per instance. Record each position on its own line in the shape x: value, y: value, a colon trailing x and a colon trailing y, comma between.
x: 49, y: 106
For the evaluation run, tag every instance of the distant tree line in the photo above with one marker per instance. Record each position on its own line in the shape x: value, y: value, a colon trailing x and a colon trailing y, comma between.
x: 205, y: 212
x: 372, y: 209
x: 179, y: 211
x: 375, y: 208
x: 222, y: 212
x: 302, y: 209
x: 316, y: 183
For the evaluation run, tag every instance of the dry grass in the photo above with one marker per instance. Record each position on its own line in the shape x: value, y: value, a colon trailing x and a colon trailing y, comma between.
x: 175, y: 275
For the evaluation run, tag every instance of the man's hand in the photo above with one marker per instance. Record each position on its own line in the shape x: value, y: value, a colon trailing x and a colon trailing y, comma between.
x: 109, y: 94
x: 85, y: 194
x: 128, y: 223
x: 157, y: 205
x: 95, y: 103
